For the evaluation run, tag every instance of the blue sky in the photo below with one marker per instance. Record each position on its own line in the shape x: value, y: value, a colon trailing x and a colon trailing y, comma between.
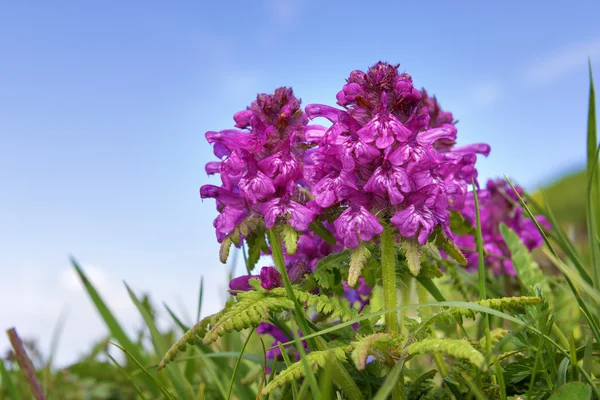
x: 104, y: 105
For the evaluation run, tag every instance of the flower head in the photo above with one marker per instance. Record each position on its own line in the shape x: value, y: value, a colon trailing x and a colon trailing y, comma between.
x: 389, y: 152
x: 262, y: 165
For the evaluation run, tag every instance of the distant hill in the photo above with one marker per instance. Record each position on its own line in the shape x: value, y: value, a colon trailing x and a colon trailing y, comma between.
x: 567, y: 200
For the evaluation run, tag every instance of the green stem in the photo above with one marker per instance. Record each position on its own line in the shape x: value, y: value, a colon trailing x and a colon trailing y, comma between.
x: 482, y: 288
x: 388, y: 272
x: 405, y: 299
x: 277, y: 254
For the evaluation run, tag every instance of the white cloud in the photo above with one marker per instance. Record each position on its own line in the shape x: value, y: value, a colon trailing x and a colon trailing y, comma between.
x: 37, y: 298
x: 561, y: 62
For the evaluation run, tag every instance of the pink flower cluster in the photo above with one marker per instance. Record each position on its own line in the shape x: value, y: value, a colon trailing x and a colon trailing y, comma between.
x: 388, y: 155
x: 498, y: 204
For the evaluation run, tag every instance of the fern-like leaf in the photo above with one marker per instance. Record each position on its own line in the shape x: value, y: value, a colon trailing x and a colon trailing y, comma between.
x: 506, y: 303
x: 369, y: 345
x: 316, y: 359
x: 191, y: 337
x: 495, y: 335
x: 249, y: 311
x: 461, y: 349
x: 528, y: 271
x: 333, y: 307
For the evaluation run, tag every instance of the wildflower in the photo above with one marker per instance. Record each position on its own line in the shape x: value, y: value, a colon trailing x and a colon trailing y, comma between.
x: 280, y: 337
x: 358, y: 296
x: 262, y: 166
x: 389, y: 155
x: 498, y: 204
x: 269, y: 278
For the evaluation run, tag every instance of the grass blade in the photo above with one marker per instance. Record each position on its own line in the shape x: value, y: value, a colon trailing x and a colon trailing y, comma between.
x: 177, y: 321
x: 288, y: 363
x: 592, y: 225
x: 237, y: 364
x: 589, y: 316
x: 161, y: 348
x: 156, y: 383
x: 129, y: 377
x: 7, y: 383
x: 592, y: 156
x: 200, y: 296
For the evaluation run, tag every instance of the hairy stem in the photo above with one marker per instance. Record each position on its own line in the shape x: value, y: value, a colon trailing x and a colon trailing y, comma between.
x: 405, y: 299
x: 388, y: 272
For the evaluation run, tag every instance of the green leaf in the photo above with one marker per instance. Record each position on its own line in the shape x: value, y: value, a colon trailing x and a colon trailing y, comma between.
x: 290, y: 239
x: 592, y: 155
x: 7, y: 383
x: 328, y: 273
x: 459, y: 225
x: 177, y: 321
x: 413, y: 252
x: 572, y: 391
x: 319, y: 229
x: 256, y: 243
x: 160, y: 346
x: 111, y: 323
x: 224, y: 249
x: 448, y: 245
x: 529, y: 273
x: 421, y: 385
x: 237, y: 365
x: 456, y: 348
x: 155, y: 383
x: 358, y: 258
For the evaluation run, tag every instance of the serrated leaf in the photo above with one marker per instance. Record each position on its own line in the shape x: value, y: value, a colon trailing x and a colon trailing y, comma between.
x: 528, y: 271
x: 290, y: 239
x: 224, y: 250
x: 456, y: 348
x: 421, y: 385
x: 358, y: 258
x: 448, y: 245
x: 413, y: 252
x: 327, y: 274
x: 256, y: 243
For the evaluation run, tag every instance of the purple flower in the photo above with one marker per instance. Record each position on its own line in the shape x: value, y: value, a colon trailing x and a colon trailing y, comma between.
x: 262, y: 166
x: 299, y: 216
x: 355, y: 223
x: 498, y: 204
x: 280, y: 337
x: 269, y: 278
x: 360, y: 295
x: 391, y: 180
x: 389, y: 152
x: 384, y: 128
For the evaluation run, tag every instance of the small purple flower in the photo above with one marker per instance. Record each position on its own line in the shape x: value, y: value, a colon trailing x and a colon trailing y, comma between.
x: 498, y: 204
x: 360, y: 295
x: 355, y: 223
x: 269, y: 278
x: 300, y: 217
x: 391, y: 180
